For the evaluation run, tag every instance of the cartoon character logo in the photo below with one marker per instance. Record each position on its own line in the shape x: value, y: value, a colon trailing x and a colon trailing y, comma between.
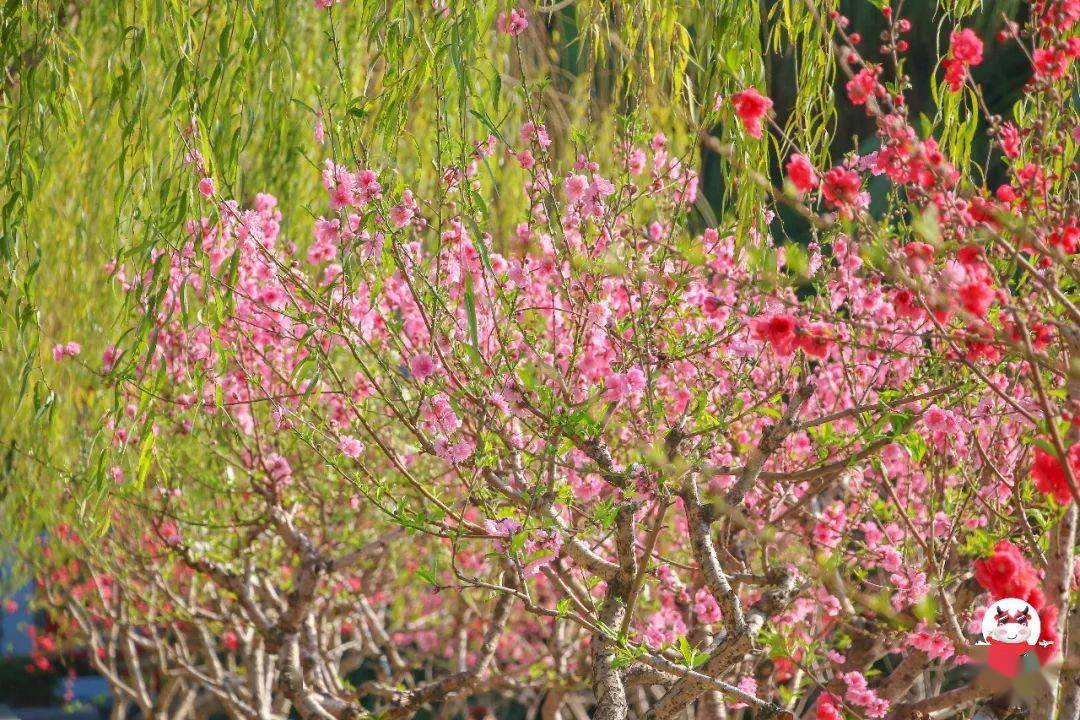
x: 1011, y: 620
x: 1011, y: 627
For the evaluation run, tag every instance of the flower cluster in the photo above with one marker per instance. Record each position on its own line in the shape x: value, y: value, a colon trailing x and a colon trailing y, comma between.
x: 965, y: 51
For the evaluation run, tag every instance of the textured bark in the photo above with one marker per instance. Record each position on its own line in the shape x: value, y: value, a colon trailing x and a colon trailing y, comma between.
x: 902, y: 677
x: 701, y: 544
x: 983, y: 687
x: 608, y: 684
x: 711, y: 706
x: 1059, y: 583
x: 550, y: 709
x: 1057, y: 586
x: 771, y: 440
x: 607, y: 681
x: 1070, y: 673
x: 1068, y: 704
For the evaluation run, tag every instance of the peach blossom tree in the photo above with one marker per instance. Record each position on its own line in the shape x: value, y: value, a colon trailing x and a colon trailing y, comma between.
x: 524, y: 426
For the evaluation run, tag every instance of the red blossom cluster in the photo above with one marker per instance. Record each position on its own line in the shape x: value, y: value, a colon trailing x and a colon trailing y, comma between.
x: 1049, y: 474
x: 965, y: 51
x: 751, y: 107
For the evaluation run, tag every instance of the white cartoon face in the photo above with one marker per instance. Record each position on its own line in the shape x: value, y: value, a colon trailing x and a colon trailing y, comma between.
x: 1011, y: 620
